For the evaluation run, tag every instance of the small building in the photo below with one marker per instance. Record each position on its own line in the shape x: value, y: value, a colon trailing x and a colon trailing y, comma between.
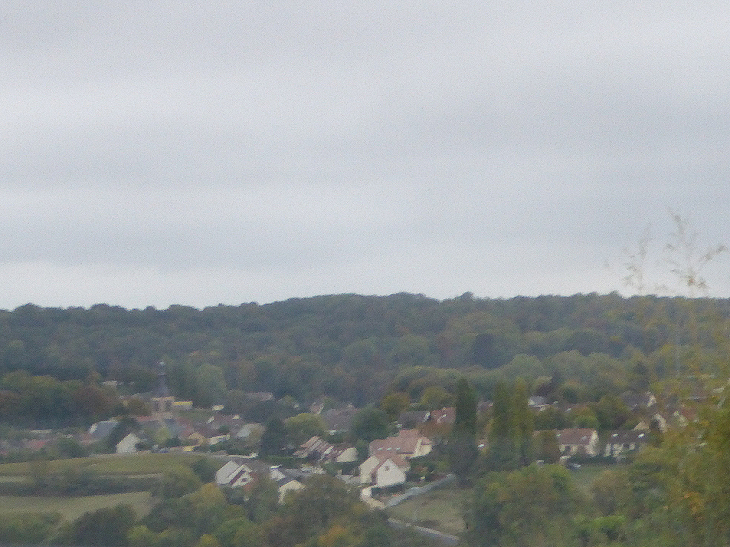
x: 578, y: 441
x: 409, y: 443
x: 384, y: 471
x: 128, y: 445
x: 622, y: 442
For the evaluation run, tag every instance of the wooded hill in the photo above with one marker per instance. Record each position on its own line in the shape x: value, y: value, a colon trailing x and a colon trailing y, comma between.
x: 356, y: 348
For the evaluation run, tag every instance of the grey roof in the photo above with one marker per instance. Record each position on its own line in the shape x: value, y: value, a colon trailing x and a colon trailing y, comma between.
x: 101, y: 430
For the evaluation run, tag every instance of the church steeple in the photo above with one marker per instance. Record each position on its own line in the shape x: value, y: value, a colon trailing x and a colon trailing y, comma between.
x: 161, y: 389
x: 161, y: 398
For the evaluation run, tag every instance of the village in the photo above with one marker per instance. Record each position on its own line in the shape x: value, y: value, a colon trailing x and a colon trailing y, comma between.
x: 383, y: 468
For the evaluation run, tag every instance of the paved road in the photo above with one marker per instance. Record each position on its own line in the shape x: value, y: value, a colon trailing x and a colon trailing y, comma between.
x: 446, y: 539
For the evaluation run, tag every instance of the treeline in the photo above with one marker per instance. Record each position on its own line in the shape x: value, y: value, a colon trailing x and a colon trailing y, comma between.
x: 188, y: 513
x: 357, y: 348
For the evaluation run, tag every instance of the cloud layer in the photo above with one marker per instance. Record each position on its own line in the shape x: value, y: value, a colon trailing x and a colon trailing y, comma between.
x: 171, y: 152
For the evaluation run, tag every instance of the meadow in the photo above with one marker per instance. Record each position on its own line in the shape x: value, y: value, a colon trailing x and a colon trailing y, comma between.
x: 73, y: 507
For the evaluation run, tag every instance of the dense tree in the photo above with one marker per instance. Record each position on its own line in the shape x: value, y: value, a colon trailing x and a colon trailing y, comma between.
x: 274, y: 439
x: 532, y: 506
x: 369, y: 424
x: 303, y: 426
x: 108, y: 526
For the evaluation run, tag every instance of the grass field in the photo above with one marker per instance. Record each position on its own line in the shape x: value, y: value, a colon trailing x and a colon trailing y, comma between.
x: 441, y: 509
x: 585, y: 476
x: 72, y: 508
x: 108, y: 464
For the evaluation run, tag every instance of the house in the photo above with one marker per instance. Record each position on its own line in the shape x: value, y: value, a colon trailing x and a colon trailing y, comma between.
x: 223, y: 475
x: 388, y: 473
x: 637, y: 401
x: 383, y: 471
x: 339, y: 420
x: 128, y: 444
x: 621, y: 442
x: 101, y: 430
x: 538, y: 402
x: 344, y: 453
x: 443, y: 416
x: 234, y: 475
x: 657, y: 420
x: 247, y: 430
x: 409, y: 443
x: 413, y: 418
x: 287, y: 480
x: 318, y: 449
x: 315, y: 448
x: 582, y: 441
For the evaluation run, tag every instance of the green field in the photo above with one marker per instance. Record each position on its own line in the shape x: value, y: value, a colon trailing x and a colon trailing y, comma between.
x: 441, y: 509
x: 108, y: 464
x: 72, y: 508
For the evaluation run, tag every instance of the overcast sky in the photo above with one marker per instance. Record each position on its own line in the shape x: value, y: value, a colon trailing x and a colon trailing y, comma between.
x: 176, y: 152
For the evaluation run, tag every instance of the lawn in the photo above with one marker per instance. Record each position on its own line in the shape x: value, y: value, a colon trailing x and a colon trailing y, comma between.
x: 584, y: 477
x: 72, y: 508
x: 108, y: 464
x: 441, y: 509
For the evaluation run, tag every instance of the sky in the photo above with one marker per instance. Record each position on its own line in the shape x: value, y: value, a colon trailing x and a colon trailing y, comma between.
x: 165, y: 152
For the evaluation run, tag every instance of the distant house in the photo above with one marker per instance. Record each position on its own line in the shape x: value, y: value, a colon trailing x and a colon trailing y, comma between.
x: 384, y: 470
x: 620, y: 443
x: 388, y: 473
x: 243, y: 474
x: 101, y: 430
x: 538, y: 402
x: 413, y: 418
x: 443, y: 416
x: 339, y: 420
x: 234, y: 475
x: 409, y: 443
x: 315, y: 448
x: 638, y: 401
x: 344, y: 453
x: 578, y: 441
x: 286, y: 480
x: 128, y: 444
x: 318, y: 449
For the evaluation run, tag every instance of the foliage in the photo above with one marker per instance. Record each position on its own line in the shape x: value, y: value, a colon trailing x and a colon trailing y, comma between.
x: 108, y: 526
x: 274, y: 439
x: 177, y: 481
x: 27, y: 528
x: 369, y: 424
x: 303, y: 426
x: 532, y: 506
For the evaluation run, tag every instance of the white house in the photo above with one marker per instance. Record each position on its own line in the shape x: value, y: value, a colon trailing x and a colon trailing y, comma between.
x: 223, y: 475
x: 387, y: 473
x: 582, y: 441
x: 128, y: 444
x: 382, y: 471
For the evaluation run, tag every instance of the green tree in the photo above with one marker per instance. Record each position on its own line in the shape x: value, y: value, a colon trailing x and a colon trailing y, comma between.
x: 304, y: 426
x: 462, y: 448
x: 177, y: 481
x: 532, y: 506
x: 523, y: 421
x: 274, y: 439
x: 369, y: 424
x: 108, y: 526
x: 465, y: 420
x: 395, y: 403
